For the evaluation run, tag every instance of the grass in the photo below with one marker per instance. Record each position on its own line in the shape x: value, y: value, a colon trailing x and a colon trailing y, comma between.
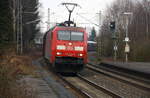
x: 12, y: 68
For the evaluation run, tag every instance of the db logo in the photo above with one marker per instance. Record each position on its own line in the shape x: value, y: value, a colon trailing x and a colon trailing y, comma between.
x: 69, y: 48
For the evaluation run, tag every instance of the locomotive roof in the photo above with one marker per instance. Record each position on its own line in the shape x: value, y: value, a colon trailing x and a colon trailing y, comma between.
x: 70, y: 27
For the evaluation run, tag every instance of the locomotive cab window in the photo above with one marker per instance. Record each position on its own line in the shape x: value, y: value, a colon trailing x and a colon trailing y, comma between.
x: 63, y: 35
x: 77, y: 36
x: 70, y: 35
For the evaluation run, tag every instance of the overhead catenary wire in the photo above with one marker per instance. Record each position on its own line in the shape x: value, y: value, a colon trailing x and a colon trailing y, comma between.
x: 88, y: 20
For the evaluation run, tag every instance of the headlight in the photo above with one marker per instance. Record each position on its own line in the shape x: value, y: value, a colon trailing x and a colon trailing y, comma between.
x: 78, y: 48
x: 80, y: 54
x: 58, y: 53
x: 61, y: 47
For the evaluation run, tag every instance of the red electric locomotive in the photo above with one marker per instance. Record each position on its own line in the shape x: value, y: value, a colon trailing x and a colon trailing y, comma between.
x: 66, y: 48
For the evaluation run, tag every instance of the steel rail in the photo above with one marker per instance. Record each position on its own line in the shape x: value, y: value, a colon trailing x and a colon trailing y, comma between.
x: 107, y: 91
x: 78, y: 90
x: 57, y: 75
x: 119, y: 76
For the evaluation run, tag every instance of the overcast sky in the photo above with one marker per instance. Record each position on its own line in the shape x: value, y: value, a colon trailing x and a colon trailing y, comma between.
x: 89, y: 10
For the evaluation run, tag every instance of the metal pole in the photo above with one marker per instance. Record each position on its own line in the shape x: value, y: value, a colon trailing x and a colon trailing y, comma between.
x: 127, y: 27
x: 101, y: 34
x: 147, y: 24
x: 18, y: 13
x: 14, y: 20
x: 21, y: 39
x: 115, y: 50
x: 127, y: 36
x: 126, y: 55
x: 48, y: 19
x: 19, y: 28
x: 127, y: 48
x: 115, y: 40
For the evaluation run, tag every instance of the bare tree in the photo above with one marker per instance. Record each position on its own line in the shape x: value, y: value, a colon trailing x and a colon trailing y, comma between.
x: 138, y: 28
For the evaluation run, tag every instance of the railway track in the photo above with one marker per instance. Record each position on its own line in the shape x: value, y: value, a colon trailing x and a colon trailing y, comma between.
x: 118, y: 83
x: 126, y: 77
x: 99, y: 83
x: 88, y: 88
x: 82, y: 86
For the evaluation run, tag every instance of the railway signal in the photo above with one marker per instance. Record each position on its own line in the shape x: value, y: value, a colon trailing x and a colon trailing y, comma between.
x: 112, y: 26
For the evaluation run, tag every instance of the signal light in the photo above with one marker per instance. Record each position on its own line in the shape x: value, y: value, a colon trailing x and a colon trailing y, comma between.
x: 112, y: 25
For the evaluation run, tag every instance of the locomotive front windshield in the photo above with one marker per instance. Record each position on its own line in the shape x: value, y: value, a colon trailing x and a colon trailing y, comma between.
x: 70, y: 35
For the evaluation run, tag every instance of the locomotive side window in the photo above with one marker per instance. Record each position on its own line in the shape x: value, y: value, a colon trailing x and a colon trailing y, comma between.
x: 70, y: 35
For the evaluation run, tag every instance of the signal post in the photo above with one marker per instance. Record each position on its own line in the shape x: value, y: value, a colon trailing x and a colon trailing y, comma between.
x: 114, y: 37
x: 127, y: 47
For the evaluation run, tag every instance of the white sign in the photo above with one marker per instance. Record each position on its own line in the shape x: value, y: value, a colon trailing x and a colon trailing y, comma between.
x: 127, y: 48
x: 115, y: 48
